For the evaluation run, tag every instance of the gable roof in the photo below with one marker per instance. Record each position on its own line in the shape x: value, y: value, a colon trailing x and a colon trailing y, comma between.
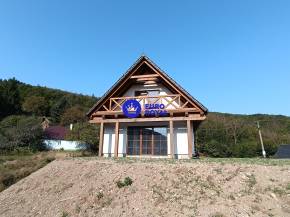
x: 141, y: 59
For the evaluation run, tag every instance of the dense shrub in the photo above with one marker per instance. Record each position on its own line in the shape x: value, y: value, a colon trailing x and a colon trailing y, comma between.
x: 21, y: 132
x: 87, y: 134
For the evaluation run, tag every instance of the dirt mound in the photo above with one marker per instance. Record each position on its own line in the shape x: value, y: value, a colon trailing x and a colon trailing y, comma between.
x: 82, y: 187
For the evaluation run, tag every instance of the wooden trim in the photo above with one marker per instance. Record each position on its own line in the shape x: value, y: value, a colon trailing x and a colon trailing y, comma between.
x: 189, y: 138
x: 130, y: 74
x: 144, y: 76
x: 177, y: 89
x: 136, y: 120
x: 171, y: 132
x: 141, y: 140
x: 101, y: 139
x: 105, y: 108
x: 180, y: 110
x: 116, y: 139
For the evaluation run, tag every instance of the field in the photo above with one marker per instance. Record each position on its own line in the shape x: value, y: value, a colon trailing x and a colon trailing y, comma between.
x: 130, y: 187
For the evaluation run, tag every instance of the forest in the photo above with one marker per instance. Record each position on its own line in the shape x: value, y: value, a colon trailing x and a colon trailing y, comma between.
x: 22, y: 107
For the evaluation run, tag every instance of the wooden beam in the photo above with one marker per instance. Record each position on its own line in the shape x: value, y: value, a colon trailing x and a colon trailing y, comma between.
x: 146, y: 79
x: 171, y: 138
x: 189, y: 138
x: 119, y: 112
x: 144, y: 76
x: 101, y: 139
x: 136, y: 120
x: 116, y: 139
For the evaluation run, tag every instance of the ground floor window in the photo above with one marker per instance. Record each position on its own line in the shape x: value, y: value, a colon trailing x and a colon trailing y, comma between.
x: 147, y: 141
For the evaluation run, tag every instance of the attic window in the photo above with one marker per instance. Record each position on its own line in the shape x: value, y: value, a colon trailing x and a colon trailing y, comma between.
x: 150, y: 92
x: 141, y: 93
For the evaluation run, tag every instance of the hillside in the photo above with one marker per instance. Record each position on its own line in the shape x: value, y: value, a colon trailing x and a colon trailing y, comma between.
x: 221, y: 135
x: 19, y: 98
x: 87, y: 187
x: 232, y: 135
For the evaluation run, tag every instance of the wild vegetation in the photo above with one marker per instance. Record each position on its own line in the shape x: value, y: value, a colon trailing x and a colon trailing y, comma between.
x: 228, y: 135
x: 222, y: 135
x: 23, y: 106
x: 15, y: 167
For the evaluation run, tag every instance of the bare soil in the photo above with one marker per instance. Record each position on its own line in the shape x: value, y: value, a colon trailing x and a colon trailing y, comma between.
x: 87, y: 187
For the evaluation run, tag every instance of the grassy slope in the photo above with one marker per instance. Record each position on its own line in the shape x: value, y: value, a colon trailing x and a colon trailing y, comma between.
x: 15, y: 167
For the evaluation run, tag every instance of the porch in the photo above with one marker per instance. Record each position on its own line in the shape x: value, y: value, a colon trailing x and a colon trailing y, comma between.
x: 172, y: 139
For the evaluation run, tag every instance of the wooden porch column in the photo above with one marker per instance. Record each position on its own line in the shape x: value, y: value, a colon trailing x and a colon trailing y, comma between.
x: 101, y: 139
x: 116, y: 139
x: 189, y: 138
x: 171, y: 132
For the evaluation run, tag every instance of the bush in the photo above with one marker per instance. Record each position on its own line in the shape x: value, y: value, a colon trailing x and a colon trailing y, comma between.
x: 20, y: 133
x: 87, y: 134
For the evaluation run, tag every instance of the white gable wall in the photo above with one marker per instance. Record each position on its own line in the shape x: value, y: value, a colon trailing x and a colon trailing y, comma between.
x: 163, y: 92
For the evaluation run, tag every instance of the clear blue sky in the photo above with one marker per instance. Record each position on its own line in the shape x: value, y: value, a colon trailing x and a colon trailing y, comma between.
x: 233, y: 56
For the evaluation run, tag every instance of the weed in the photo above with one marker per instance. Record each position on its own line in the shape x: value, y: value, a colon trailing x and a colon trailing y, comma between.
x: 217, y: 214
x: 279, y: 191
x: 288, y: 187
x: 64, y: 214
x: 120, y: 184
x: 127, y: 181
x: 78, y: 209
x: 251, y: 181
x: 218, y: 170
x: 100, y: 195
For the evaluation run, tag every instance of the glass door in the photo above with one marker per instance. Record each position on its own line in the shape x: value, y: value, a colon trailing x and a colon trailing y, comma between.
x: 147, y: 141
x: 134, y: 135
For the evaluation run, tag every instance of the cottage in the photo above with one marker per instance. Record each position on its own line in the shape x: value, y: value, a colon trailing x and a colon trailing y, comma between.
x: 146, y: 113
x: 54, y: 139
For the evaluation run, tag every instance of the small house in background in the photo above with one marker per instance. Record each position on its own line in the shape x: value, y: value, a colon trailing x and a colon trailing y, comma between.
x: 283, y: 151
x: 55, y: 139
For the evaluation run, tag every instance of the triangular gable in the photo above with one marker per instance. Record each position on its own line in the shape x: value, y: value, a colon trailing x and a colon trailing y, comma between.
x: 133, y: 71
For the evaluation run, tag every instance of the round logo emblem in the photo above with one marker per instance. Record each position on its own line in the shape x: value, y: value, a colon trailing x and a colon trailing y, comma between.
x: 131, y: 108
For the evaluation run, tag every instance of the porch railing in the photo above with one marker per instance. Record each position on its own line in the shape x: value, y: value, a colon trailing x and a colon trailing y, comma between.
x: 170, y: 101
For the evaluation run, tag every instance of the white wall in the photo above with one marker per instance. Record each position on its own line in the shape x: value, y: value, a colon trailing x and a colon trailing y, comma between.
x: 62, y: 144
x: 163, y: 92
x: 180, y: 141
x: 109, y: 141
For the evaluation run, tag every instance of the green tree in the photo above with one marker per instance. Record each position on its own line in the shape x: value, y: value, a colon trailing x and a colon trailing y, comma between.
x: 21, y: 132
x: 87, y: 134
x: 73, y: 115
x: 9, y: 98
x: 36, y: 105
x: 58, y: 109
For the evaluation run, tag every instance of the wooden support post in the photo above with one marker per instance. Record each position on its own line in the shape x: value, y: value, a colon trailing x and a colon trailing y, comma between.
x: 189, y: 138
x: 116, y: 139
x: 101, y: 139
x: 171, y: 132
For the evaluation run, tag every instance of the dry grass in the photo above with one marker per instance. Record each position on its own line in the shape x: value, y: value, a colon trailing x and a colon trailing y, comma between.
x: 15, y: 167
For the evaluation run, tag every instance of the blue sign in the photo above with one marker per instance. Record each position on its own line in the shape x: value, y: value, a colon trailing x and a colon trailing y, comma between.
x: 155, y: 110
x: 131, y: 108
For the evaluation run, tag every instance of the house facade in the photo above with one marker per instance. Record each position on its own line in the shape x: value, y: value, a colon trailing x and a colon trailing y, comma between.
x: 146, y: 113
